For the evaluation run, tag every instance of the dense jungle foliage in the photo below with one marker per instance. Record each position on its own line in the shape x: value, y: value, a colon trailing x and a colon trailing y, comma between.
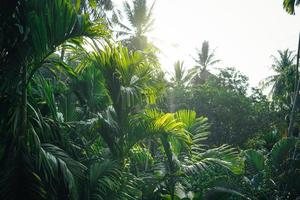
x: 86, y: 112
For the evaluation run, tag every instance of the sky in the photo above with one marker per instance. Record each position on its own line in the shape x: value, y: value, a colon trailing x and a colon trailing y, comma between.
x: 243, y: 33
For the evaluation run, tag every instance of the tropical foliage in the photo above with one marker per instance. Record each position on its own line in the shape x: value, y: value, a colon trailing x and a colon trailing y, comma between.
x: 84, y: 117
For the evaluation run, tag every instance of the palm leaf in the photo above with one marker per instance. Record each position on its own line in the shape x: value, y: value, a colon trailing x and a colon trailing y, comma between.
x: 289, y: 5
x: 255, y: 161
x: 216, y: 193
x: 282, y: 150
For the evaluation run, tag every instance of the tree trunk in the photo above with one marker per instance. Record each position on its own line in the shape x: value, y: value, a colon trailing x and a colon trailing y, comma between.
x: 168, y: 151
x: 23, y: 126
x: 294, y: 108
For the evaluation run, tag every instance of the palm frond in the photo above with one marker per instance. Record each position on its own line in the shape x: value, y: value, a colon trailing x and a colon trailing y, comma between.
x: 289, y: 5
x: 225, y: 156
x: 216, y: 193
x: 19, y: 179
x: 282, y: 150
x: 255, y: 161
x: 104, y: 178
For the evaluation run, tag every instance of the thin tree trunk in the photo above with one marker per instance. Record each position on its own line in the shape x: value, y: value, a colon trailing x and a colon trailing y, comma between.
x: 168, y: 152
x: 23, y: 127
x: 62, y: 53
x: 292, y: 115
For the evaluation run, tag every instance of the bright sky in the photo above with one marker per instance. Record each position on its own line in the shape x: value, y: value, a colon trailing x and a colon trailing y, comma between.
x: 245, y: 33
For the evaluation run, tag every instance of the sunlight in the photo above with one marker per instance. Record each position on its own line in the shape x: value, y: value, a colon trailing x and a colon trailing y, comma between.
x: 244, y: 33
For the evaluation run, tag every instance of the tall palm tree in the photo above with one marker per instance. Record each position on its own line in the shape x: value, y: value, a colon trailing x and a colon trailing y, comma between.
x: 205, y: 58
x: 283, y: 81
x: 179, y: 82
x: 140, y: 20
x: 129, y: 83
x: 181, y: 77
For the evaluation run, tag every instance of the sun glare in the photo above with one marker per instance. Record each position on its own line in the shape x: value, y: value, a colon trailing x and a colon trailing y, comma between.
x: 244, y: 33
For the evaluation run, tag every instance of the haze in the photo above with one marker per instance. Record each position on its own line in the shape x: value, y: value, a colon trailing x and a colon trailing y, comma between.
x: 244, y: 33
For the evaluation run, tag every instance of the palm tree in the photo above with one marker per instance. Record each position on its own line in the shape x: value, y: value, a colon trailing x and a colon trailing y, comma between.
x: 130, y: 85
x: 283, y: 82
x: 206, y: 58
x: 181, y: 135
x: 181, y: 77
x: 178, y: 87
x: 140, y: 20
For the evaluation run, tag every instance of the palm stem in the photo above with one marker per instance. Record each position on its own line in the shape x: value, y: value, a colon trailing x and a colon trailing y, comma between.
x: 291, y: 124
x: 168, y: 151
x: 23, y: 126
